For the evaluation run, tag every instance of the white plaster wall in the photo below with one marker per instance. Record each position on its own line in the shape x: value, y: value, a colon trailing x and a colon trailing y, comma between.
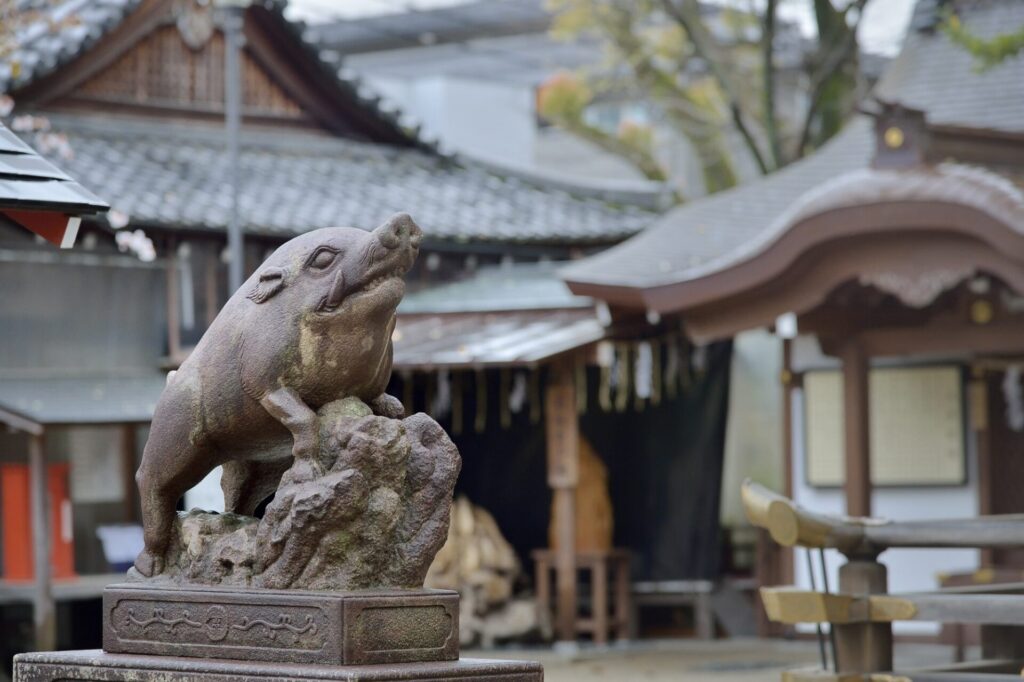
x: 206, y: 494
x: 753, y: 428
x: 492, y: 121
x: 909, y: 569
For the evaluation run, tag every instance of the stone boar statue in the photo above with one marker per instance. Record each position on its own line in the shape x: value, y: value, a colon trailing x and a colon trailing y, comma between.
x: 312, y: 325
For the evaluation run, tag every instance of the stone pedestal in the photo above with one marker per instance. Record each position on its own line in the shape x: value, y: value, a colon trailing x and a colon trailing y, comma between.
x: 99, y: 665
x: 207, y: 633
x: 283, y: 626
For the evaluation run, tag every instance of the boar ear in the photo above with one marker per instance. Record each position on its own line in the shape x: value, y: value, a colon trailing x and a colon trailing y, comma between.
x: 270, y: 282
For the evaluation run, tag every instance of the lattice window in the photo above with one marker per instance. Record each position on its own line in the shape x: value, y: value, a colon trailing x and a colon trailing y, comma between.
x: 163, y: 71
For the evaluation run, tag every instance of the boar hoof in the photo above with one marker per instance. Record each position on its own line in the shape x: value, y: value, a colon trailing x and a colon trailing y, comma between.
x: 149, y: 565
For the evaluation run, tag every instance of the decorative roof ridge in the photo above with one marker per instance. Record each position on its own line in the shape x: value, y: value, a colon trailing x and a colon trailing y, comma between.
x: 253, y: 137
x: 971, y: 185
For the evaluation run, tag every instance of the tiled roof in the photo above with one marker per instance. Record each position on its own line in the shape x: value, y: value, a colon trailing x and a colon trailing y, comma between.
x: 174, y: 177
x: 943, y: 80
x: 28, y: 181
x: 687, y: 237
x: 60, y: 31
x: 430, y: 26
x: 931, y: 73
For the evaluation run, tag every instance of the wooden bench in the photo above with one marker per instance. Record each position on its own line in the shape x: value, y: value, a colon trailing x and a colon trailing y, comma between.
x: 695, y: 594
x: 607, y: 568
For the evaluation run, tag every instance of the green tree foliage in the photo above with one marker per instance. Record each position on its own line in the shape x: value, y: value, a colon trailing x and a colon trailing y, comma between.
x: 988, y: 52
x: 665, y: 53
x: 564, y: 99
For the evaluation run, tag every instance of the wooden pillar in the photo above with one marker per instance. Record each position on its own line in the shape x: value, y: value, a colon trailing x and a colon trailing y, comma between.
x: 863, y: 647
x: 978, y: 410
x: 857, y: 441
x: 774, y: 563
x: 173, y: 301
x: 211, y: 293
x: 563, y: 474
x: 131, y: 491
x: 44, y: 612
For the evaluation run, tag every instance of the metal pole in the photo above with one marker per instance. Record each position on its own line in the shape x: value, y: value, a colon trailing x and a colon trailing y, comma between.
x: 234, y: 17
x: 814, y: 588
x: 44, y: 613
x: 831, y: 627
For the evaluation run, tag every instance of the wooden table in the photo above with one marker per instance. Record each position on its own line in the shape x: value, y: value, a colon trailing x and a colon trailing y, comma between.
x: 605, y: 566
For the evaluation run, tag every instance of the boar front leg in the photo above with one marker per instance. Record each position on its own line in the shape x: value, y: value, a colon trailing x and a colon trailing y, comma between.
x: 287, y: 407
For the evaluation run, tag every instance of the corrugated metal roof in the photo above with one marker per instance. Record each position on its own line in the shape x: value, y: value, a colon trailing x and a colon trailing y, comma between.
x: 499, y: 339
x: 522, y: 286
x: 28, y: 181
x: 99, y: 400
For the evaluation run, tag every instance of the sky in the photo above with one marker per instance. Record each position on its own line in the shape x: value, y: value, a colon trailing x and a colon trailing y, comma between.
x: 885, y: 21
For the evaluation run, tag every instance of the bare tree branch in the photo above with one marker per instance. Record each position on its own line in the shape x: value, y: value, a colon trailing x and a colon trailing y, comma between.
x: 834, y: 61
x: 771, y: 126
x: 687, y: 15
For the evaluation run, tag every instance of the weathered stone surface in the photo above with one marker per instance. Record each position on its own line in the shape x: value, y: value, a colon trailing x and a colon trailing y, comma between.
x: 289, y: 626
x: 311, y: 326
x: 97, y: 665
x: 369, y: 511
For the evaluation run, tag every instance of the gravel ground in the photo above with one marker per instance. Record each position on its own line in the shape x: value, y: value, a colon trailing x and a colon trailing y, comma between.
x: 730, y: 660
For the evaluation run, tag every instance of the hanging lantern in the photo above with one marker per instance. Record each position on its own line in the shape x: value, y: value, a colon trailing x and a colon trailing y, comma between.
x: 407, y: 394
x: 605, y: 360
x: 622, y: 386
x: 656, y: 375
x: 505, y: 415
x: 642, y: 378
x: 457, y: 403
x: 672, y: 367
x: 480, y: 420
x: 581, y: 384
x: 535, y: 404
x: 441, y: 405
x: 517, y: 395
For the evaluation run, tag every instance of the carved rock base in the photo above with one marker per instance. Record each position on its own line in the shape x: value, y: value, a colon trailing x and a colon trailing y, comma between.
x: 283, y: 626
x: 98, y: 665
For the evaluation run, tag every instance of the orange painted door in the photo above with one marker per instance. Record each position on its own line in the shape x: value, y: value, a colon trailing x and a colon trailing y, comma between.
x: 16, y: 521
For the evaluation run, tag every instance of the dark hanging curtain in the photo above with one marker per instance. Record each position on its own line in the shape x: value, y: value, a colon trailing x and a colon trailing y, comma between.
x: 664, y: 468
x: 665, y: 473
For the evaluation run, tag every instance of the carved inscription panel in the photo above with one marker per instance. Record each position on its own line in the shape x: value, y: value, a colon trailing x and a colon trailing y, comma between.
x: 250, y: 625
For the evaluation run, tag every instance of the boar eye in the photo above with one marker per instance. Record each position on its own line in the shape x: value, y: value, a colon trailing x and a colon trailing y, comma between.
x: 322, y: 258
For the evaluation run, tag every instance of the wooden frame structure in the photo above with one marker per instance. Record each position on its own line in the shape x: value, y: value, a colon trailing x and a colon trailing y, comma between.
x: 861, y: 612
x: 43, y: 593
x: 911, y: 256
